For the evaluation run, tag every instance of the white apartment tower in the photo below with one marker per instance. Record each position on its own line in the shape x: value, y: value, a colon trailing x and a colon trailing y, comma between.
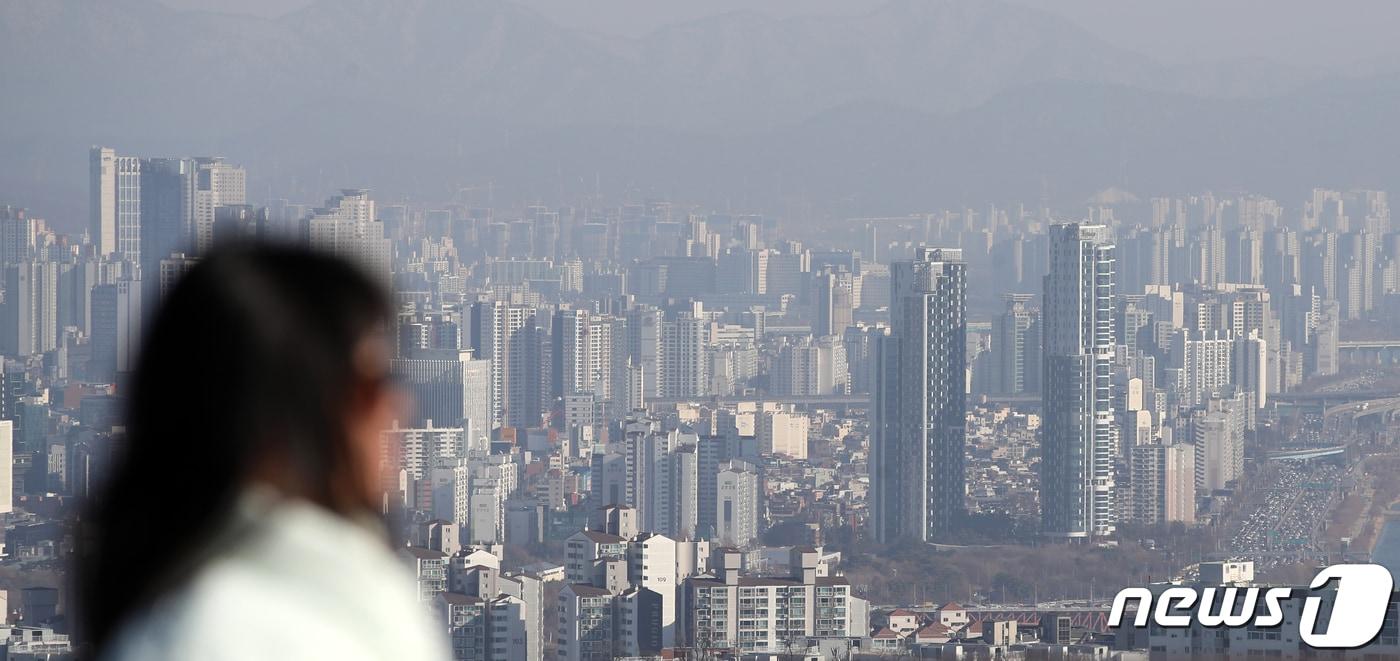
x: 511, y: 337
x: 1163, y: 483
x: 1078, y: 440
x: 683, y: 368
x: 1201, y: 362
x: 218, y: 184
x: 347, y: 227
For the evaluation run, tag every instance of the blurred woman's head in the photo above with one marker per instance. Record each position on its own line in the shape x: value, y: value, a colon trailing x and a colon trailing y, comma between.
x: 264, y: 365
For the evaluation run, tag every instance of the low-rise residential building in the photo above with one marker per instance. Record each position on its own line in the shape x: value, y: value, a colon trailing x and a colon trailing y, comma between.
x: 729, y: 610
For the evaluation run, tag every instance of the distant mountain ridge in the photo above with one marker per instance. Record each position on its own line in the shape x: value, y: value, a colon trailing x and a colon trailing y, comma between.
x: 415, y: 97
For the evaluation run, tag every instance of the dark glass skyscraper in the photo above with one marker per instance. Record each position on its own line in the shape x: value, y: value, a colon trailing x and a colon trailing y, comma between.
x: 919, y: 406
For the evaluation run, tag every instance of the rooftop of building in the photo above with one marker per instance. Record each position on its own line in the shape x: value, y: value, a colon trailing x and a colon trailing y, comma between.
x: 600, y: 537
x: 585, y: 590
x: 458, y: 599
x: 424, y: 554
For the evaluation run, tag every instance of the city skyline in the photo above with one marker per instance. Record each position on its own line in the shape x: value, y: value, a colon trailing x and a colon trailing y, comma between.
x: 513, y: 330
x: 653, y: 374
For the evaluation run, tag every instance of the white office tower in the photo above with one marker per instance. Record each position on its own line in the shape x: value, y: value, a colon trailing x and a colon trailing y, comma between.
x: 450, y: 388
x: 114, y: 206
x: 1163, y: 483
x: 737, y: 506
x: 486, y: 503
x: 919, y: 406
x: 347, y: 227
x: 1078, y: 440
x: 218, y: 184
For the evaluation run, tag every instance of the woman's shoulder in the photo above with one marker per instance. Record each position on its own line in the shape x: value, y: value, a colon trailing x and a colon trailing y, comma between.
x: 233, y: 614
x: 301, y: 584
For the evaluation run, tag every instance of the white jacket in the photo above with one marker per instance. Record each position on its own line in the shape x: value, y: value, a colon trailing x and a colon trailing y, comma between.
x: 296, y: 582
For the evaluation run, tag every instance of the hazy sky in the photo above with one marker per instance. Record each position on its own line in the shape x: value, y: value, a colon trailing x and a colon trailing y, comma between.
x: 1301, y: 33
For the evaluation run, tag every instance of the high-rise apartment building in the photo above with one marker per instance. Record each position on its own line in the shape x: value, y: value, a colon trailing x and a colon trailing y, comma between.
x: 1250, y: 371
x: 919, y: 406
x: 623, y: 590
x: 29, y: 314
x: 1163, y: 483
x: 589, y: 355
x: 514, y: 338
x: 684, y: 368
x: 1078, y: 441
x: 17, y: 235
x: 218, y: 184
x: 1217, y: 432
x: 811, y: 366
x: 770, y: 614
x: 644, y: 331
x: 835, y: 293
x: 1201, y: 364
x: 491, y: 616
x: 781, y: 432
x: 1015, y: 361
x: 409, y: 457
x: 346, y: 226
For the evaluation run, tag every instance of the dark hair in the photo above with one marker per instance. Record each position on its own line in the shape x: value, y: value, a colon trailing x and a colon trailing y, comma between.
x: 253, y: 352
